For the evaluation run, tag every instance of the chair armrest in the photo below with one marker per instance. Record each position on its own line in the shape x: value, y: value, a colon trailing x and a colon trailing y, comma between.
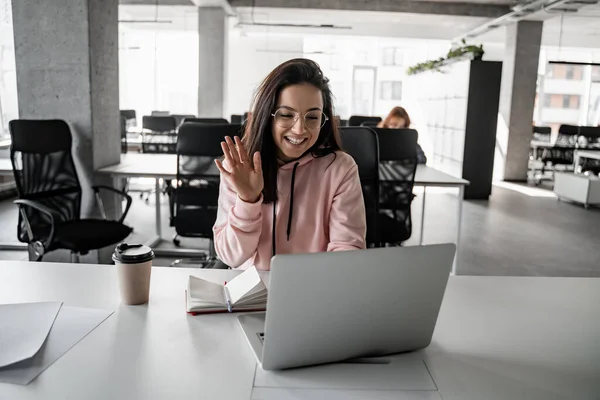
x: 41, y: 208
x: 97, y: 188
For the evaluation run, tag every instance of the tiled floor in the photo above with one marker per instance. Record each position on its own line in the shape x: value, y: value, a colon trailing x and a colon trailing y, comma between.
x: 520, y: 231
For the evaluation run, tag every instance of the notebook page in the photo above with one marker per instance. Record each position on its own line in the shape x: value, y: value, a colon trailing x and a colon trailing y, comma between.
x: 206, y: 291
x: 245, y: 284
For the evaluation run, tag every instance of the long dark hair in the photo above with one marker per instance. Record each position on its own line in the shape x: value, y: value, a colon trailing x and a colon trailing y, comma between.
x: 258, y: 135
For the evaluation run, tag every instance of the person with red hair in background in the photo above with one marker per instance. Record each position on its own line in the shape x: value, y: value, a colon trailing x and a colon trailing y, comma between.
x: 398, y: 118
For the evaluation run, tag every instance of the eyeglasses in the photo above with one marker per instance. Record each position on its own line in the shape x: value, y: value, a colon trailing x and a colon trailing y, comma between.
x: 313, y: 120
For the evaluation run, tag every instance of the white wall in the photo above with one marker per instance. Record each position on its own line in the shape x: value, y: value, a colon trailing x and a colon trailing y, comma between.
x: 249, y: 61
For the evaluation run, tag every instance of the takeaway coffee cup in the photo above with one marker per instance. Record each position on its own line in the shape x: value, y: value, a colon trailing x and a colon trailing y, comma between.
x: 134, y: 263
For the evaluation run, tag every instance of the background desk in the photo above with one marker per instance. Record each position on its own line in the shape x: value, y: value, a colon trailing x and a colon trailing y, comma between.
x: 496, y: 338
x: 164, y: 166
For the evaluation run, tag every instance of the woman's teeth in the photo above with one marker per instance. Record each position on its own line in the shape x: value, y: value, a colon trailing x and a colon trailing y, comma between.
x: 294, y: 140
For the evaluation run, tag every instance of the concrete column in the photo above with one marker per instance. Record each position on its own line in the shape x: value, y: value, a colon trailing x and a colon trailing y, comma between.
x: 66, y: 54
x: 211, y: 63
x: 517, y: 98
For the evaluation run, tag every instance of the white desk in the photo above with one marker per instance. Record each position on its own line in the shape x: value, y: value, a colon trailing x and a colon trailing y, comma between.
x: 164, y: 166
x: 496, y: 338
x: 5, y: 167
x: 579, y: 154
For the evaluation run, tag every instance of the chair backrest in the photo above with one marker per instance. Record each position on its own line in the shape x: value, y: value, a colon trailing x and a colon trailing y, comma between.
x: 123, y: 134
x: 159, y: 134
x: 237, y: 119
x: 159, y: 123
x: 179, y: 118
x: 371, y: 124
x: 592, y: 133
x: 362, y: 144
x: 397, y: 144
x: 211, y: 121
x: 130, y: 117
x: 542, y: 133
x: 197, y: 192
x: 398, y: 149
x: 44, y: 171
x: 357, y: 120
x: 156, y: 113
x: 542, y: 129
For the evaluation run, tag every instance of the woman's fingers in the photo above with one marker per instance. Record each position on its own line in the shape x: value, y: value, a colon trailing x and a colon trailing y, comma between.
x: 222, y: 168
x: 227, y: 154
x: 257, y: 163
x: 241, y: 150
x: 234, y: 153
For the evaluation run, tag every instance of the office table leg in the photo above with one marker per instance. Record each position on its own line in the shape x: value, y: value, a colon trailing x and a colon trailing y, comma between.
x: 461, y: 196
x: 157, y: 238
x: 422, y: 217
x: 158, y: 217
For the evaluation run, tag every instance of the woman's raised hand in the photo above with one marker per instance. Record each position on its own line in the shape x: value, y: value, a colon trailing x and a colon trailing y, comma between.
x: 245, y: 176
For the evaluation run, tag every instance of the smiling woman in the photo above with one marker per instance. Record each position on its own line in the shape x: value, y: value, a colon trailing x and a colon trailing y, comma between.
x: 288, y: 163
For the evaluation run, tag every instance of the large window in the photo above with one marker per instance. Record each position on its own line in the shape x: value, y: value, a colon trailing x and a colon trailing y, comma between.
x: 158, y: 63
x: 390, y: 90
x: 392, y: 56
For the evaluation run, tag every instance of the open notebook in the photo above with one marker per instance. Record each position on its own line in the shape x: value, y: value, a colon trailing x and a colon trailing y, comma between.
x: 246, y: 292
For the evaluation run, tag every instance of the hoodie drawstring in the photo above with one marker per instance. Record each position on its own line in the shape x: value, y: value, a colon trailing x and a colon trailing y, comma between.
x: 289, y: 224
x: 290, y: 215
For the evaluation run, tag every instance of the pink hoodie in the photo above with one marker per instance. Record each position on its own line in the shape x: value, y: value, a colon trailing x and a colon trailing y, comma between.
x: 328, y: 214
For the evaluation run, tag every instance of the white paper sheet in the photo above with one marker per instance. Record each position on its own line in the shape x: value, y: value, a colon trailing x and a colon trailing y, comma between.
x: 24, y: 328
x: 245, y: 284
x: 71, y: 325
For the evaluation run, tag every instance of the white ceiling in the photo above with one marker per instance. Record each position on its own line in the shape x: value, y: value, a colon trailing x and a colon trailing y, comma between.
x: 578, y: 30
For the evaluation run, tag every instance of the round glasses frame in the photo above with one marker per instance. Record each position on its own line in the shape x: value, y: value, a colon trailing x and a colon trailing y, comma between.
x: 324, y: 119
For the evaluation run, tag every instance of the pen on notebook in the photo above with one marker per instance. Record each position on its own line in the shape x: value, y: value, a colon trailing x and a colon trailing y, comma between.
x: 227, y: 298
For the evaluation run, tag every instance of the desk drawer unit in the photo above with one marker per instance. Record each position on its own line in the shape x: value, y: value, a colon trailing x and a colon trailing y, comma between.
x: 577, y: 187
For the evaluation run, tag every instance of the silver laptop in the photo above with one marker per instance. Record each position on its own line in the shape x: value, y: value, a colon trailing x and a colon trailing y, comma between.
x: 328, y: 307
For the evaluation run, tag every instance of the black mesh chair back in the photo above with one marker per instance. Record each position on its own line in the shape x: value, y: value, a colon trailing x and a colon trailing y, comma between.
x: 197, y: 192
x: 159, y: 134
x: 237, y: 119
x: 179, y: 118
x: 357, y: 120
x: 362, y: 144
x: 50, y: 193
x: 211, y: 121
x: 44, y: 172
x: 398, y: 158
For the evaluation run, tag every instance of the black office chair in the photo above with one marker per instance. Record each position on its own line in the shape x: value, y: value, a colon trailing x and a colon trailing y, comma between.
x: 357, y: 120
x: 159, y: 134
x: 179, y: 118
x: 195, y: 198
x: 370, y: 123
x: 211, y: 121
x: 50, y: 193
x: 130, y: 118
x: 237, y: 119
x: 562, y: 152
x: 362, y: 144
x: 397, y: 152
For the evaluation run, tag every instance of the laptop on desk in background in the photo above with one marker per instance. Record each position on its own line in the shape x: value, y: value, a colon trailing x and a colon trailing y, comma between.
x: 328, y: 307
